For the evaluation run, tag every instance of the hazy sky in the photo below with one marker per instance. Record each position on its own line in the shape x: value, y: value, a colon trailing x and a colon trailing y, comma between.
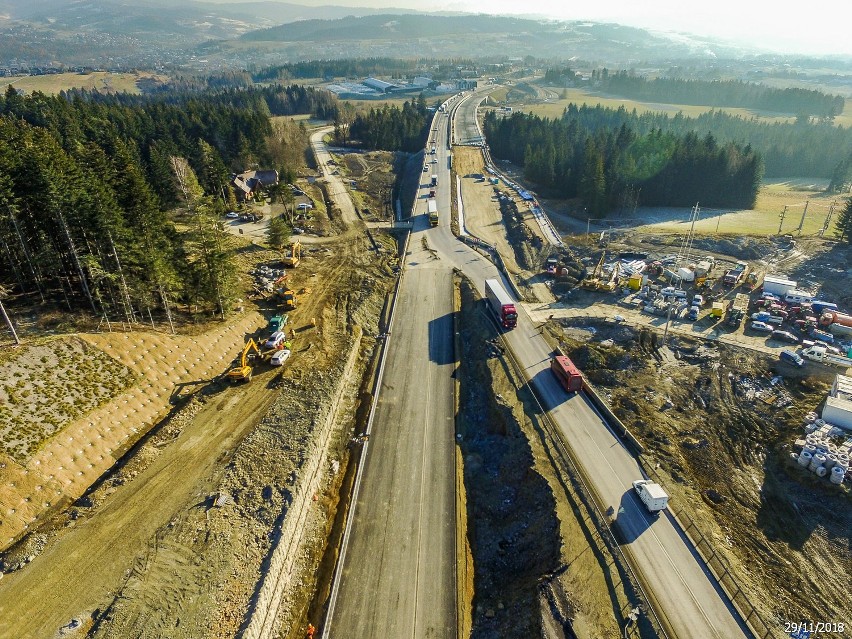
x: 788, y: 26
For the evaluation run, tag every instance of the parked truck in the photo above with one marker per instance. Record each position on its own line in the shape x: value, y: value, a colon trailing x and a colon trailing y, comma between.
x: 432, y: 210
x: 738, y: 309
x: 736, y: 275
x: 819, y: 353
x: 500, y: 303
x: 651, y: 494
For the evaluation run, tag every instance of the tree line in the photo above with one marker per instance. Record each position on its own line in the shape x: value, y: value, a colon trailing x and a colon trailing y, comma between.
x: 390, y: 128
x: 87, y: 184
x: 813, y: 149
x: 619, y: 167
x: 714, y: 93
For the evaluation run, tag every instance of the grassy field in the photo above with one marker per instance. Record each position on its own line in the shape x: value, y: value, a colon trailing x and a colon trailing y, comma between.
x: 98, y: 80
x: 764, y: 218
x: 554, y: 108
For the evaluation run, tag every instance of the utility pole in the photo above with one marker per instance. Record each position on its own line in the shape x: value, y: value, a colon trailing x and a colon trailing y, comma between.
x: 827, y: 219
x: 781, y: 223
x: 802, y: 221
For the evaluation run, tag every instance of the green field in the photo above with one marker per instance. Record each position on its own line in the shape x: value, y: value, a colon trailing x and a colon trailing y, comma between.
x: 97, y: 80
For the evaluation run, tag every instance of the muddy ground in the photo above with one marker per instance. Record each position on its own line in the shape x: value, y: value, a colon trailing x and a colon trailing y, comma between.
x: 719, y: 424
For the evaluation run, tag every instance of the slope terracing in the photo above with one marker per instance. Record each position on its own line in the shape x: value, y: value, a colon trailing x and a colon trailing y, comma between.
x: 73, y: 455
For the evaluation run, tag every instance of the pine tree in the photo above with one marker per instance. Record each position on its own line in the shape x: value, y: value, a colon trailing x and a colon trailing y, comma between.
x: 843, y: 226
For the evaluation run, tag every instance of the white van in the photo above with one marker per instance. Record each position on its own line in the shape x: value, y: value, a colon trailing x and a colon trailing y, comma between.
x: 798, y: 297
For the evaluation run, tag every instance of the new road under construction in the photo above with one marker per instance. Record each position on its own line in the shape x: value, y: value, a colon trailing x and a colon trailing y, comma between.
x: 464, y: 423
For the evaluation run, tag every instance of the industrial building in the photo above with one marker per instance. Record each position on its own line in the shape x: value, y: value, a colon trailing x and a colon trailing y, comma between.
x: 838, y: 405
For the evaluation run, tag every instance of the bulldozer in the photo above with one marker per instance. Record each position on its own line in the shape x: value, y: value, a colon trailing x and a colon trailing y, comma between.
x: 291, y: 299
x: 292, y: 260
x: 242, y: 373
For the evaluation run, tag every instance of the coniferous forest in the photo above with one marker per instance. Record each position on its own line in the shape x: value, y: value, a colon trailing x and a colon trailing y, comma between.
x: 617, y: 166
x: 87, y: 183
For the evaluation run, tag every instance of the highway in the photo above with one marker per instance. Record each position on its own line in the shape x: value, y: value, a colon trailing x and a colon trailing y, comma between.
x: 687, y: 598
x: 396, y: 575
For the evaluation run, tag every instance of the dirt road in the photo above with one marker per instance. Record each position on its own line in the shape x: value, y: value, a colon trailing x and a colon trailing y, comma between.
x: 72, y: 577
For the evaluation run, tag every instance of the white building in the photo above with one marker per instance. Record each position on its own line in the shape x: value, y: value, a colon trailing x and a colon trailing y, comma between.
x: 842, y: 387
x: 838, y: 404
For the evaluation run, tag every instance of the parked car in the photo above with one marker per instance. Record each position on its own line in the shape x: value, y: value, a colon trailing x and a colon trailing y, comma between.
x: 693, y: 313
x: 785, y: 336
x: 425, y: 169
x: 275, y: 340
x: 232, y: 215
x: 761, y: 326
x: 698, y: 300
x: 280, y: 357
x: 791, y: 357
x: 304, y: 206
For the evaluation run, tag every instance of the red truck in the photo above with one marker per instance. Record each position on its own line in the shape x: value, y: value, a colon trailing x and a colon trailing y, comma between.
x: 501, y: 304
x: 567, y: 374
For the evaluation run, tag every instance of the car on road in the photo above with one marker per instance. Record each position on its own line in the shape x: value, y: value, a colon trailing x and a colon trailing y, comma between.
x: 791, y: 357
x: 304, y: 206
x: 785, y: 336
x: 761, y: 326
x: 280, y: 357
x: 425, y: 169
x: 232, y: 215
x: 275, y: 340
x: 434, y: 160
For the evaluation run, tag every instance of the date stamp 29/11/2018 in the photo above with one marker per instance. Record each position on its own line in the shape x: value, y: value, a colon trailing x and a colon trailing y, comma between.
x: 808, y: 629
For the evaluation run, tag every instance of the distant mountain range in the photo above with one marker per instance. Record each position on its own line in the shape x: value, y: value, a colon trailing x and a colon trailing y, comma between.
x: 152, y: 33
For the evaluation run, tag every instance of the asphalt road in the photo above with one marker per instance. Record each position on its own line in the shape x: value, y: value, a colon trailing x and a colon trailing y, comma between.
x: 687, y: 597
x: 397, y: 571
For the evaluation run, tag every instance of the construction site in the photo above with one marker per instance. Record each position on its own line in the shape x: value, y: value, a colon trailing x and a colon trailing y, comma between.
x: 216, y: 454
x: 221, y: 455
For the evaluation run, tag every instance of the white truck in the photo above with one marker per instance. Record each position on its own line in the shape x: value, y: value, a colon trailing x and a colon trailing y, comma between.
x: 651, y: 494
x: 818, y: 353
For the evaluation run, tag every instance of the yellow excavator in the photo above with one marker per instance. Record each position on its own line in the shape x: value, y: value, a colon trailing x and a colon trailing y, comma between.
x: 295, y: 256
x: 593, y: 281
x: 611, y: 284
x: 242, y: 373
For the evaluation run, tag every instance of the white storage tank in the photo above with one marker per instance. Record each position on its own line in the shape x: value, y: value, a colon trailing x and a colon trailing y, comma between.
x: 821, y: 471
x: 805, y: 458
x: 816, y: 462
x: 837, y: 475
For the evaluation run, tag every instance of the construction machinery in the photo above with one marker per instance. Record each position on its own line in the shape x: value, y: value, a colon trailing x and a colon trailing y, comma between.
x: 291, y: 299
x: 592, y: 282
x: 292, y: 260
x: 242, y: 373
x: 612, y: 283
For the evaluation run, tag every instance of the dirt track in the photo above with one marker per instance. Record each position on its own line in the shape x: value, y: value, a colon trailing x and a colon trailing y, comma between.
x: 144, y: 553
x: 31, y: 604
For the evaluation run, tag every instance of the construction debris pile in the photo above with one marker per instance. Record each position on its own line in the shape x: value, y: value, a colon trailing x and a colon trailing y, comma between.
x: 820, y: 453
x: 769, y: 390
